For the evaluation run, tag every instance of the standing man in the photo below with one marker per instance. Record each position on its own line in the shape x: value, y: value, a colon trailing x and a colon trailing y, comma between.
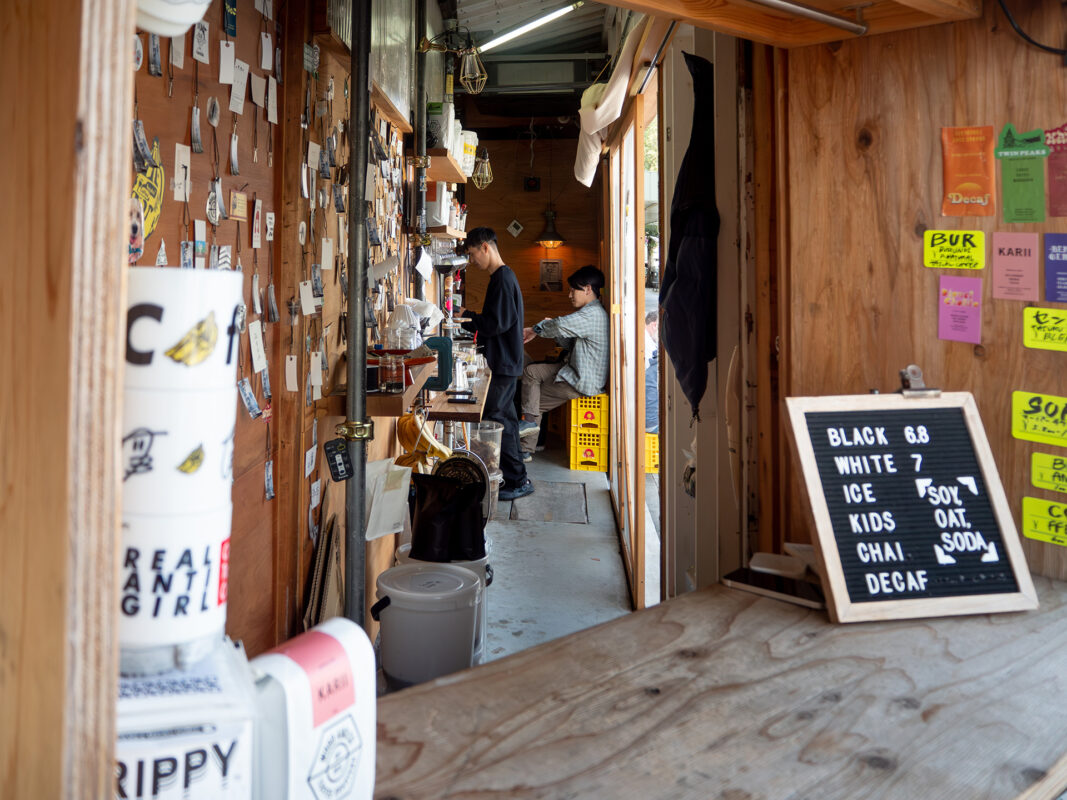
x: 499, y: 329
x: 584, y: 372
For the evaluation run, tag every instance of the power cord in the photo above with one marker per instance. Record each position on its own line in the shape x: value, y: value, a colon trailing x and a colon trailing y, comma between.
x: 1026, y: 37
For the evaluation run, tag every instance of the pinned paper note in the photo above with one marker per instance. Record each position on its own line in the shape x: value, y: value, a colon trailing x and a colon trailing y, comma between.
x: 383, y: 268
x: 327, y: 253
x: 272, y: 100
x: 1045, y: 328
x: 1049, y: 472
x: 266, y: 51
x: 1022, y: 174
x: 954, y: 249
x: 1015, y: 260
x: 307, y: 298
x: 291, y: 384
x: 1044, y: 520
x: 959, y: 315
x: 226, y: 60
x: 1056, y: 267
x: 968, y: 170
x: 255, y: 340
x: 1039, y: 418
x: 240, y: 87
x: 316, y: 368
x: 182, y: 176
x: 259, y: 89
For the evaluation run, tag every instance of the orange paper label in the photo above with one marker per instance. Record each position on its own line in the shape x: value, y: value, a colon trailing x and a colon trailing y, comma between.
x: 968, y: 166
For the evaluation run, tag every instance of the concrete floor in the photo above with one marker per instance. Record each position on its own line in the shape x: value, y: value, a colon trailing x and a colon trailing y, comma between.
x: 553, y: 578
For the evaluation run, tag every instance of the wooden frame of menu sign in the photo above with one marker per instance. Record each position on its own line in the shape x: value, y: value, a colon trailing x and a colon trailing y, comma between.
x: 910, y: 516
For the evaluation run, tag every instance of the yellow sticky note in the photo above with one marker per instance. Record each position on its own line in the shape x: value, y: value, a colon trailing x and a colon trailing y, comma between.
x: 1049, y: 472
x: 954, y: 249
x: 1045, y: 328
x: 1045, y: 520
x: 1039, y: 418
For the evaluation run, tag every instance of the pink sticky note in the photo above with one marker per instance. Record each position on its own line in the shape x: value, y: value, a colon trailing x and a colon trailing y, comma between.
x: 1015, y: 260
x: 959, y: 309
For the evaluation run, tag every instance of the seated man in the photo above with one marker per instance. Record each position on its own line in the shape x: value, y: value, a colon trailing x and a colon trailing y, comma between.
x: 584, y: 372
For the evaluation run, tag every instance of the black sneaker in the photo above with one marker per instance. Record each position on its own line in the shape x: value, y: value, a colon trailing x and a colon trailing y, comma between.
x: 515, y: 492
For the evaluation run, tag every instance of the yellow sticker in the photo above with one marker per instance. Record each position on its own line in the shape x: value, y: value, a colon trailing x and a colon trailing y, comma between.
x: 198, y: 342
x: 954, y: 249
x: 1045, y: 328
x: 148, y: 188
x: 1039, y: 418
x: 1049, y: 472
x: 1045, y: 520
x: 193, y: 461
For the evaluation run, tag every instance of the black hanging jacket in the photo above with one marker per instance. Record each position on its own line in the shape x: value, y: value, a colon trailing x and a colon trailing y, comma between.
x: 688, y: 294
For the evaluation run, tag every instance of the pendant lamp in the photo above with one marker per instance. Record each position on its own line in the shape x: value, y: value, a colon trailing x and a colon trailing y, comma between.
x: 472, y: 74
x: 483, y: 173
x: 550, y: 238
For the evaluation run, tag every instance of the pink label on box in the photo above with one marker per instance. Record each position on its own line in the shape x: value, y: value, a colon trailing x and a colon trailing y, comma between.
x: 329, y: 672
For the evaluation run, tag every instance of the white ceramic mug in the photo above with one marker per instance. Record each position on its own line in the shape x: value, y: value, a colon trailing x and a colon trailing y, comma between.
x: 173, y: 588
x: 182, y: 328
x: 177, y: 451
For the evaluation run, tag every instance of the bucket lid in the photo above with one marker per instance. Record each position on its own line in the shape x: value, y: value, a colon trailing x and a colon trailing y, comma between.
x: 425, y: 586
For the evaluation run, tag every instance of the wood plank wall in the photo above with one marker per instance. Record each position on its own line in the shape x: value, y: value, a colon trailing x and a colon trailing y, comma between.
x: 271, y: 547
x: 864, y: 181
x: 504, y: 200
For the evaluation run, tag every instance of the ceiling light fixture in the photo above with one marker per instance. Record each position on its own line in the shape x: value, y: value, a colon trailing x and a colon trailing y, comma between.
x: 526, y: 27
x: 472, y: 74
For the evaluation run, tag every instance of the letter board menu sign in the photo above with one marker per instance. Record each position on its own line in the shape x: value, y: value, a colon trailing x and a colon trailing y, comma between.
x: 911, y: 519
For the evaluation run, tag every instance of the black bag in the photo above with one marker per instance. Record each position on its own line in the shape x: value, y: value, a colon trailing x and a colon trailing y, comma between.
x: 446, y: 520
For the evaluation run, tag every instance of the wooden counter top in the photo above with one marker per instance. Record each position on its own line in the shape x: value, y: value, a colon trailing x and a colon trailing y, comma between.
x: 725, y: 694
x: 442, y: 408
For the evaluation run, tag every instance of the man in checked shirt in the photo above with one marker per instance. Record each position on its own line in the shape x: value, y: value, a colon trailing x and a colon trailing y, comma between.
x: 583, y: 373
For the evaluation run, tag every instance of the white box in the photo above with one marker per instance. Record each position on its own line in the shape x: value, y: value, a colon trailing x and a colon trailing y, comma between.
x: 188, y: 734
x: 438, y: 203
x: 315, y: 734
x: 439, y: 122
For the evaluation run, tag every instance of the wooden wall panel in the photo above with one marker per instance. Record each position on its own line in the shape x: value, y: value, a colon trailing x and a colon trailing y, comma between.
x: 68, y: 88
x: 166, y: 116
x: 864, y: 181
x: 504, y: 200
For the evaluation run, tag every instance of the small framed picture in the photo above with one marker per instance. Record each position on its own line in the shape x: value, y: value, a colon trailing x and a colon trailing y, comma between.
x: 551, y: 275
x: 514, y: 227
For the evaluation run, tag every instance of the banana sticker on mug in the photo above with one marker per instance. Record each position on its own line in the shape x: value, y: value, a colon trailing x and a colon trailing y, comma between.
x: 196, y: 345
x: 193, y: 461
x: 148, y: 188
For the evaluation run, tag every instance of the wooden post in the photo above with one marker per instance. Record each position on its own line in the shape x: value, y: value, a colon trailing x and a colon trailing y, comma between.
x: 66, y: 157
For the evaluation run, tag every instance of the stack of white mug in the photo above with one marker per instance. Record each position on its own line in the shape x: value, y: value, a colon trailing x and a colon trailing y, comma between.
x: 182, y: 345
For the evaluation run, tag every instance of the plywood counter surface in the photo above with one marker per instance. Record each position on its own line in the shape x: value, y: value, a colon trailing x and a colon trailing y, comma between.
x: 724, y: 694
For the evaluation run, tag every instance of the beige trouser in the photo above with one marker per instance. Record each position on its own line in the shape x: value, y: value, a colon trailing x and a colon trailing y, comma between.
x: 541, y: 392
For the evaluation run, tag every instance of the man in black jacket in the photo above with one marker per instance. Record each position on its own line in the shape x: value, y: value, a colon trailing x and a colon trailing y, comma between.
x: 499, y: 329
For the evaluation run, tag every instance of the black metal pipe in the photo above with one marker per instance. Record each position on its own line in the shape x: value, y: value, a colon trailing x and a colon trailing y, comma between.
x: 359, y: 147
x: 420, y: 145
x: 658, y: 56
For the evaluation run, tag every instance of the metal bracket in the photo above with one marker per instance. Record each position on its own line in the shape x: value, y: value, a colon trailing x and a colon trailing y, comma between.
x: 356, y: 431
x: 912, y: 384
x: 419, y: 162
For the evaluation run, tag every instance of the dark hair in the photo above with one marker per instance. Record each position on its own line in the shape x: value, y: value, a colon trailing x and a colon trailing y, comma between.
x: 587, y: 276
x: 477, y: 236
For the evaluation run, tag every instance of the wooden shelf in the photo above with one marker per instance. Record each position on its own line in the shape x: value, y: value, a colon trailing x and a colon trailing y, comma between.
x: 442, y: 408
x: 445, y: 232
x: 443, y: 167
x: 385, y: 106
x: 383, y: 405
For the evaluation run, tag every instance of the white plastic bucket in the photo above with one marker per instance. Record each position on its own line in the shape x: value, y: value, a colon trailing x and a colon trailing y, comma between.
x: 483, y: 570
x: 428, y: 614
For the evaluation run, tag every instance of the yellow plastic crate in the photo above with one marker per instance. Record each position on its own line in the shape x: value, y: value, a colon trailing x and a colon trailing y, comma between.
x: 651, y: 452
x: 589, y: 450
x: 590, y: 413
